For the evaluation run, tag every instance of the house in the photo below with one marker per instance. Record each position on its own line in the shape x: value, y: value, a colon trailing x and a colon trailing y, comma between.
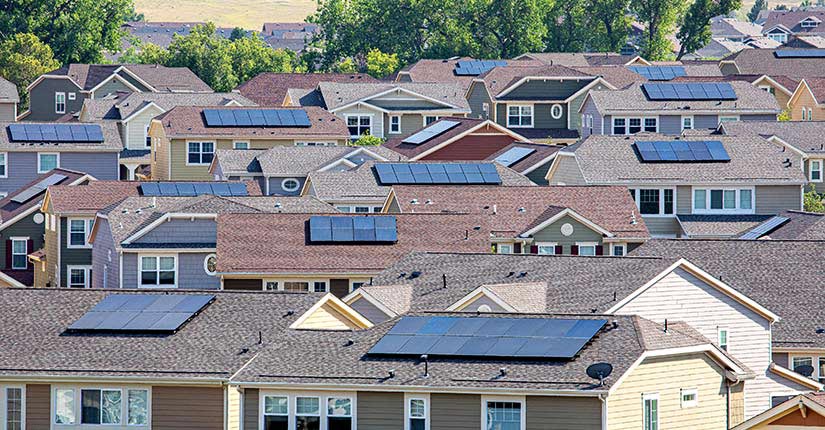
x: 456, y: 70
x: 805, y: 411
x: 793, y: 63
x: 717, y: 48
x: 733, y: 29
x: 672, y: 107
x: 185, y: 137
x: 668, y: 72
x: 22, y: 226
x: 133, y: 113
x: 62, y: 91
x: 583, y: 59
x: 282, y: 170
x: 302, y: 252
x: 270, y: 89
x: 705, y: 179
x: 365, y: 188
x: 154, y: 241
x: 294, y: 36
x: 540, y: 103
x: 583, y: 220
x: 139, y: 33
x: 28, y: 150
x: 229, y: 385
x: 806, y: 103
x: 790, y: 225
x: 385, y: 109
x: 8, y: 101
x: 781, y: 24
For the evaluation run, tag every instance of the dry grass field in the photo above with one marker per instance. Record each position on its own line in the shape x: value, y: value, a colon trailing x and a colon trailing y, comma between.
x: 249, y: 14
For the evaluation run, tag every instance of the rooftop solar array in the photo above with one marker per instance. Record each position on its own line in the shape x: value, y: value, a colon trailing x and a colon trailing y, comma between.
x: 689, y: 91
x: 659, y: 73
x: 799, y: 53
x: 256, y: 118
x: 430, y: 132
x: 38, y: 188
x: 437, y: 173
x: 152, y: 313
x: 488, y: 337
x: 190, y: 189
x: 764, y: 228
x: 476, y: 67
x: 352, y: 229
x: 682, y: 151
x: 514, y: 155
x: 64, y: 133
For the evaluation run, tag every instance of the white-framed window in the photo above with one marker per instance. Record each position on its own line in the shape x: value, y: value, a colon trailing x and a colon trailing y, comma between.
x: 654, y: 201
x: 359, y: 209
x: 798, y: 361
x: 723, y: 200
x: 276, y: 413
x: 556, y: 111
x: 504, y: 248
x: 4, y: 165
x: 199, y: 153
x: 587, y: 248
x: 101, y: 406
x: 77, y: 235
x: 728, y: 119
x: 78, y: 276
x: 310, y: 411
x: 650, y: 408
x: 520, y: 116
x: 810, y: 114
x: 416, y: 411
x: 689, y: 397
x: 290, y: 185
x: 485, y: 107
x: 355, y: 284
x: 64, y: 406
x: 722, y: 338
x: 13, y: 404
x: 146, y: 137
x: 817, y: 362
x: 627, y: 126
x: 296, y: 285
x: 59, y: 102
x: 503, y: 413
x: 546, y: 248
x: 72, y: 96
x: 359, y: 125
x: 429, y: 119
x: 240, y: 145
x: 105, y: 406
x: 779, y: 37
x: 815, y: 167
x: 210, y: 264
x: 395, y: 124
x: 157, y: 271
x: 618, y: 249
x: 47, y: 161
x: 316, y: 143
x: 808, y: 23
x: 53, y: 222
x: 19, y: 252
x: 687, y: 123
x: 651, y: 125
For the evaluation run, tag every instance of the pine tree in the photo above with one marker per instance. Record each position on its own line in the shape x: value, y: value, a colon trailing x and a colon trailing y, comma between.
x: 758, y: 6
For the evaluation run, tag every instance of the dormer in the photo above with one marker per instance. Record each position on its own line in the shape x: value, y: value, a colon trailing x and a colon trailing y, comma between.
x: 810, y: 22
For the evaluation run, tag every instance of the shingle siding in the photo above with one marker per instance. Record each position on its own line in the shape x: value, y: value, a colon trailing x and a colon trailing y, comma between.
x: 380, y: 411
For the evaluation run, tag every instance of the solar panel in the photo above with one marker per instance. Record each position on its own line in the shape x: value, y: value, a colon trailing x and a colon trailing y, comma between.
x: 445, y: 336
x: 76, y: 133
x: 659, y: 73
x: 764, y: 228
x: 152, y: 313
x: 799, y: 53
x: 430, y: 132
x: 338, y: 229
x: 514, y: 155
x: 476, y: 67
x: 256, y: 118
x: 38, y: 188
x: 689, y: 91
x: 680, y: 151
x: 437, y: 173
x: 191, y: 189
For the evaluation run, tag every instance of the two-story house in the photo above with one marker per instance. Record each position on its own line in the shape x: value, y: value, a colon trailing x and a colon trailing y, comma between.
x: 779, y: 25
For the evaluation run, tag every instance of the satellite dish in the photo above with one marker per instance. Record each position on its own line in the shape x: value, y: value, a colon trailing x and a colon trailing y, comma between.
x: 599, y: 371
x: 804, y: 370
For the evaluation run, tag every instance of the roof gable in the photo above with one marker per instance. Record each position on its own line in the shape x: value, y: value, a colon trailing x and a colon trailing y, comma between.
x: 330, y: 313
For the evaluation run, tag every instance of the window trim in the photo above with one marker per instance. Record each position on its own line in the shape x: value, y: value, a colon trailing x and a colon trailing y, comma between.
x: 498, y: 248
x: 200, y: 151
x: 508, y: 399
x: 560, y: 109
x: 626, y: 126
x: 309, y: 281
x: 5, y: 164
x: 4, y: 399
x: 580, y: 245
x: 147, y: 139
x: 424, y: 119
x: 359, y: 116
x: 552, y: 245
x: 392, y: 129
x: 87, y: 229
x: 78, y: 405
x: 87, y: 271
x: 25, y: 240
x: 692, y: 403
x: 140, y: 283
x: 624, y: 249
x: 206, y: 262
x: 520, y: 115
x: 39, y: 161
x: 719, y: 331
x: 236, y: 142
x: 692, y: 125
x: 297, y: 181
x: 645, y: 398
x: 727, y: 118
x: 811, y: 169
x: 292, y: 404
x: 56, y: 96
x: 737, y: 199
x: 408, y: 397
x: 661, y: 214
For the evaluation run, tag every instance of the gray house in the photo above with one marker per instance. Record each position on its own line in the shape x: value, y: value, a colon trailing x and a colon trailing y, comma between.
x: 695, y: 185
x: 8, y: 101
x: 62, y: 91
x: 671, y: 107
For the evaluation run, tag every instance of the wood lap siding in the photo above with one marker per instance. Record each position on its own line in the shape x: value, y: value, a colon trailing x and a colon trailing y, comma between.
x: 179, y: 152
x: 187, y: 408
x: 773, y: 199
x: 455, y: 412
x: 564, y: 413
x: 471, y: 148
x: 38, y: 407
x: 250, y: 409
x: 380, y: 411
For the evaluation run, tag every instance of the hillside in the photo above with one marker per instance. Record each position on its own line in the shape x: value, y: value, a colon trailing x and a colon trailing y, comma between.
x: 249, y: 14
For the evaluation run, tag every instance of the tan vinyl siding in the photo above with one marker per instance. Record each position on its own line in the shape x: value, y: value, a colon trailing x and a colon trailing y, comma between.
x: 455, y: 412
x: 667, y: 376
x: 327, y: 318
x: 234, y: 408
x: 564, y: 413
x: 38, y: 406
x: 136, y: 125
x: 773, y: 199
x: 804, y: 99
x: 250, y: 409
x: 187, y: 408
x: 377, y: 127
x: 380, y: 411
x: 112, y: 86
x: 567, y: 172
x: 160, y: 153
x: 684, y: 200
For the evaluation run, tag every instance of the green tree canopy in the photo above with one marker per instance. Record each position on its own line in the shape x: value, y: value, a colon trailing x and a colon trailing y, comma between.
x: 695, y: 31
x: 23, y: 58
x: 380, y: 65
x: 659, y: 17
x: 757, y: 7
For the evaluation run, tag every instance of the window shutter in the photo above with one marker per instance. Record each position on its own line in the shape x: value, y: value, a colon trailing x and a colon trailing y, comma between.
x: 8, y: 254
x: 534, y: 249
x: 574, y: 250
x: 599, y: 250
x: 559, y: 250
x: 29, y: 250
x: 516, y: 248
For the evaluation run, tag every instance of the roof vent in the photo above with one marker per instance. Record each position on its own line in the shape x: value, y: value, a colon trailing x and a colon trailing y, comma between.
x: 278, y: 205
x: 522, y: 209
x: 414, y: 201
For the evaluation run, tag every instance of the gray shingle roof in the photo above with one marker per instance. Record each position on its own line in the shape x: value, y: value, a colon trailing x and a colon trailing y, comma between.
x: 125, y: 104
x: 719, y: 226
x: 281, y: 161
x: 162, y: 78
x: 764, y: 62
x: 803, y: 135
x: 336, y: 95
x: 800, y: 226
x: 8, y: 92
x: 111, y: 141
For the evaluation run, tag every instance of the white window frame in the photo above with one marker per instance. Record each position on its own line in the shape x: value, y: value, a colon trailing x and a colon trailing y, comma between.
x: 355, y: 284
x: 581, y: 245
x: 25, y: 240
x: 280, y: 283
x: 661, y: 214
x: 626, y: 119
x: 555, y: 107
x: 78, y: 406
x: 79, y: 396
x: 691, y: 119
x: 206, y: 264
x: 359, y: 116
x: 200, y: 152
x: 40, y: 164
x: 57, y: 102
x: 818, y: 375
x: 689, y: 403
x: 87, y: 229
x: 727, y: 118
x: 719, y: 331
x: 5, y: 164
x: 425, y: 117
x: 737, y: 210
x: 236, y: 142
x: 507, y: 399
x: 323, y: 398
x: 87, y: 271
x: 72, y: 96
x: 613, y: 246
x: 510, y: 245
x: 4, y: 405
x: 297, y: 181
x: 395, y: 124
x: 552, y: 246
x: 811, y: 170
x: 520, y: 115
x: 645, y: 398
x: 157, y: 257
x: 409, y: 397
x: 808, y: 23
x: 778, y: 37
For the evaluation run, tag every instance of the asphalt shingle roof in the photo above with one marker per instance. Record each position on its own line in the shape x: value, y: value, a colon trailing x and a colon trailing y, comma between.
x: 719, y: 226
x: 543, y: 154
x: 111, y: 140
x: 9, y: 208
x: 270, y: 89
x: 90, y: 198
x: 800, y: 226
x: 8, y: 92
x: 802, y: 135
x: 336, y: 95
x: 162, y: 78
x: 397, y: 144
x: 122, y: 105
x: 764, y: 62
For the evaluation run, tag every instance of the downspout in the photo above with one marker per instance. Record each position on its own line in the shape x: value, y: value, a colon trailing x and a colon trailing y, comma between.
x: 727, y: 405
x: 225, y: 387
x: 603, y: 398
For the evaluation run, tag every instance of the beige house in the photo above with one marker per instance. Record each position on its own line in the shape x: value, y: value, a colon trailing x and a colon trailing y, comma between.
x: 806, y: 103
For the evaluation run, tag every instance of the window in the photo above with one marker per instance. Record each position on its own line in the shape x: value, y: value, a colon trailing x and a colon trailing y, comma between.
x: 808, y: 23
x: 821, y: 369
x: 4, y: 168
x: 302, y: 412
x: 485, y: 107
x: 59, y: 102
x: 634, y: 125
x: 320, y: 286
x: 64, y: 406
x: 78, y: 276
x: 586, y: 248
x: 200, y: 153
x: 797, y: 362
x: 650, y: 404
x: 687, y: 123
x: 503, y: 415
x: 623, y: 126
x: 504, y: 248
x: 307, y: 413
x: 276, y: 413
x: 722, y: 336
x: 270, y: 285
x: 157, y: 271
x: 417, y: 414
x: 816, y: 170
x: 728, y: 119
x: 546, y: 248
x: 138, y: 408
x: 100, y: 406
x: 649, y: 201
x: 14, y: 408
x: 519, y: 116
x: 79, y: 230
x: 290, y: 185
x: 240, y: 145
x: 210, y: 264
x: 651, y: 125
x: 779, y: 37
x: 619, y: 126
x: 654, y: 201
x: 72, y: 96
x: 690, y: 397
x: 723, y: 200
x: 354, y: 285
x: 810, y: 114
x: 339, y: 413
x: 556, y: 111
x: 19, y: 250
x: 296, y: 286
x: 395, y: 124
x: 429, y: 119
x: 47, y: 161
x: 618, y: 250
x: 359, y: 125
x: 147, y: 138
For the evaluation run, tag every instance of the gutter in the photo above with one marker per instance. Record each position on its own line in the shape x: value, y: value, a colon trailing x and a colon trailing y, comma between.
x: 419, y: 388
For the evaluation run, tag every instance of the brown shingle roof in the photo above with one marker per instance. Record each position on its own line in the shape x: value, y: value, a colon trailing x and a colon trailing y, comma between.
x: 500, y: 78
x: 618, y: 76
x: 543, y: 153
x: 91, y: 197
x: 411, y: 150
x: 161, y: 78
x: 9, y: 208
x: 764, y: 62
x: 269, y: 89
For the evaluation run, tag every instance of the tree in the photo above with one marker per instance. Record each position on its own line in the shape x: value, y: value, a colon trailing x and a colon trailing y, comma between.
x: 567, y: 29
x: 757, y: 7
x: 611, y: 20
x: 251, y: 56
x: 813, y: 201
x: 380, y: 64
x: 347, y: 65
x: 23, y: 58
x: 237, y: 33
x: 368, y: 140
x: 780, y: 7
x: 695, y: 31
x: 508, y: 28
x: 660, y: 17
x: 785, y: 115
